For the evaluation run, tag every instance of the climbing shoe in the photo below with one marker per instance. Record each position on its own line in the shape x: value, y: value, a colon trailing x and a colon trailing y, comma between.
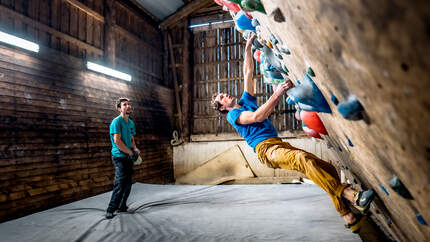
x: 363, y: 199
x: 356, y: 225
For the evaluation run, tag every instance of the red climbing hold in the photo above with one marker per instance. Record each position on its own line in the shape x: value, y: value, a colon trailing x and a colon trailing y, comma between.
x: 297, y: 115
x: 230, y: 5
x: 257, y: 55
x: 312, y: 120
x: 310, y: 132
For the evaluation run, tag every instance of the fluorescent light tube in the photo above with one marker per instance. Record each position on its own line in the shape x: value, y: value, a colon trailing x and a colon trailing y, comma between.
x: 22, y: 43
x: 108, y: 71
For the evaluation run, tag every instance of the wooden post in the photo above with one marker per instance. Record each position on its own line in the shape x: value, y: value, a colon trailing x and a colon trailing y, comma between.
x: 175, y: 82
x: 186, y: 83
x: 109, y: 32
x: 165, y: 59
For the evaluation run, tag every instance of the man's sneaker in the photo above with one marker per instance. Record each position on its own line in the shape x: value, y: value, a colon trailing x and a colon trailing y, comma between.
x: 122, y: 210
x: 109, y: 215
x: 363, y: 199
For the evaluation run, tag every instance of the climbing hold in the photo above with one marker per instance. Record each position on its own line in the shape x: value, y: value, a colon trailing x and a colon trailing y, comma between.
x: 257, y: 55
x: 277, y: 15
x: 383, y: 189
x: 285, y: 69
x: 269, y: 44
x: 389, y: 222
x: 310, y: 72
x: 273, y: 39
x: 351, y: 108
x: 252, y: 5
x: 297, y: 114
x: 421, y: 220
x: 249, y: 16
x: 285, y: 50
x: 290, y: 101
x: 310, y: 132
x: 243, y: 22
x: 272, y: 71
x: 255, y: 22
x: 313, y: 121
x: 229, y: 5
x: 397, y: 185
x: 340, y: 149
x: 349, y: 142
x: 257, y: 44
x: 272, y: 60
x: 279, y: 56
x: 334, y: 100
x: 309, y: 97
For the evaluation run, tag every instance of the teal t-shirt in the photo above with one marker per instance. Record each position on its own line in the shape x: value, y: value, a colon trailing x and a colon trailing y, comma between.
x: 252, y: 133
x: 127, y: 131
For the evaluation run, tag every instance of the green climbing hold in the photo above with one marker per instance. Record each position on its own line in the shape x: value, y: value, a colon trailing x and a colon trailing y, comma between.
x: 279, y: 56
x: 285, y: 68
x: 252, y: 5
x: 310, y: 72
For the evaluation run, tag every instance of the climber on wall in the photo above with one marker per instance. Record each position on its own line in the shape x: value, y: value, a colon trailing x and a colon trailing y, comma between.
x: 252, y: 123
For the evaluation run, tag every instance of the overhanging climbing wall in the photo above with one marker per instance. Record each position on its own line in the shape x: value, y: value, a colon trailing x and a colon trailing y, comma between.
x: 370, y: 60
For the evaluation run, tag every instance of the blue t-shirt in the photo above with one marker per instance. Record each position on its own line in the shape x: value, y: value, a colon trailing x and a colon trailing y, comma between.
x: 127, y: 131
x: 252, y: 133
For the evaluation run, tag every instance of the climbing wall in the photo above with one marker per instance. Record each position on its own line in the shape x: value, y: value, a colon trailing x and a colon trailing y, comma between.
x: 370, y: 61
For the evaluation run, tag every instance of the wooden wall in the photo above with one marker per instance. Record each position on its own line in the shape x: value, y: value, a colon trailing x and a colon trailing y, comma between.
x: 55, y: 114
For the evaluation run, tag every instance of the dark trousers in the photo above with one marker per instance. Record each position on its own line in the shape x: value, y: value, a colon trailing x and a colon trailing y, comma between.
x: 122, y: 183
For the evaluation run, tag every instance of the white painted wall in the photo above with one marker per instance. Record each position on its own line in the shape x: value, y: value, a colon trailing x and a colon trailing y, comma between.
x: 188, y: 156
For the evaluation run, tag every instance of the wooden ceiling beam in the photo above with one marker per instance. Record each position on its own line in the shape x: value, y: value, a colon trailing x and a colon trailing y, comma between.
x: 184, y: 12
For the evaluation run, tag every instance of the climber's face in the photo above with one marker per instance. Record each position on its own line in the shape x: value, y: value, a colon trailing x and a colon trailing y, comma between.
x: 226, y: 101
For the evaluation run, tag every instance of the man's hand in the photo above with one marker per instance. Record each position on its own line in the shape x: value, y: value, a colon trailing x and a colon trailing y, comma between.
x: 251, y: 37
x: 136, y: 150
x: 283, y: 88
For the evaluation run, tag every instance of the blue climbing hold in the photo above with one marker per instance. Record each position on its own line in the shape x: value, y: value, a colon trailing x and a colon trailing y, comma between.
x: 383, y: 189
x: 290, y: 101
x: 340, y: 149
x: 334, y: 99
x: 243, y: 22
x: 351, y: 108
x: 309, y: 97
x: 299, y: 82
x: 421, y: 220
x: 349, y: 142
x: 389, y: 222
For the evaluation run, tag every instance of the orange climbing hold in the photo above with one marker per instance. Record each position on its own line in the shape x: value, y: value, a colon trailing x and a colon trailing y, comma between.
x: 313, y: 121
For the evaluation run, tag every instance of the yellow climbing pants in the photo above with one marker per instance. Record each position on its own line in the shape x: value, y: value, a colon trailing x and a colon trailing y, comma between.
x: 276, y: 153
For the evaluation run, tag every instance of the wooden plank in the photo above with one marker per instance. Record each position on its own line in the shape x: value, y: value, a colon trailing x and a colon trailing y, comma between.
x: 86, y: 9
x: 73, y: 31
x: 184, y: 12
x: 82, y: 25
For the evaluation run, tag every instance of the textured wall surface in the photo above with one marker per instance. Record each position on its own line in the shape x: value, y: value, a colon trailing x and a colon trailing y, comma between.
x: 377, y: 51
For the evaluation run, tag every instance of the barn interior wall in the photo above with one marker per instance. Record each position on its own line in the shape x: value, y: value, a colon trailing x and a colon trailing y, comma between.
x: 55, y: 114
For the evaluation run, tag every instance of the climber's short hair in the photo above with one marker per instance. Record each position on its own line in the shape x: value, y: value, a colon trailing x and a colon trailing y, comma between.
x: 217, y: 105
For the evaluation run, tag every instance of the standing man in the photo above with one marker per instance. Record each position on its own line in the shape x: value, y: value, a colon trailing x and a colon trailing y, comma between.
x: 252, y: 123
x: 122, y: 132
